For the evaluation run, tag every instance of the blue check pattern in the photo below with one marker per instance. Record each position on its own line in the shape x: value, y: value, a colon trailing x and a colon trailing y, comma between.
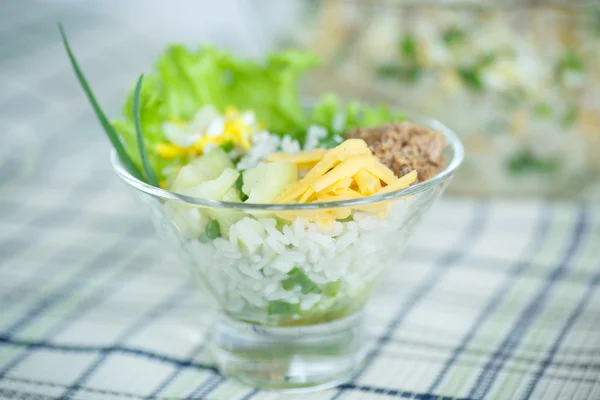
x: 492, y: 299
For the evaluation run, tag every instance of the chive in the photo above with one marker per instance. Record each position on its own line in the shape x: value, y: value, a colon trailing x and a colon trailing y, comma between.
x: 453, y: 36
x: 213, y: 230
x: 408, y: 73
x: 332, y: 288
x: 408, y: 47
x: 347, y: 219
x: 288, y: 284
x: 227, y: 146
x: 542, y: 110
x: 525, y: 161
x: 388, y: 70
x: 471, y: 78
x: 281, y: 307
x: 512, y: 98
x: 411, y: 74
x: 570, y: 61
x: 307, y: 285
x: 281, y: 222
x: 487, y: 60
x: 152, y: 179
x: 108, y: 128
x: 239, y: 183
x: 570, y: 116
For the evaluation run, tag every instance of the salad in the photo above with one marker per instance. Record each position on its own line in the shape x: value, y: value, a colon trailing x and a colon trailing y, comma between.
x: 207, y: 124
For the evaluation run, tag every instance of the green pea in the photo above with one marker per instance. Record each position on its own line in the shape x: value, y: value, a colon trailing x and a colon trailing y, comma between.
x: 213, y: 230
x: 281, y: 307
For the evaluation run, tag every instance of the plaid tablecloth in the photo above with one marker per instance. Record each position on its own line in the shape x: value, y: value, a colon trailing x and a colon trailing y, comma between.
x: 491, y: 300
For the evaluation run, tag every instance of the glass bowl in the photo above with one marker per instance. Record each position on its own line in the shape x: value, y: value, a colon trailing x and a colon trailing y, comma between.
x: 289, y: 288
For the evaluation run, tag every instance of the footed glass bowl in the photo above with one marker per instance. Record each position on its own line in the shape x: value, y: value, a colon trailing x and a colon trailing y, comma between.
x: 290, y: 287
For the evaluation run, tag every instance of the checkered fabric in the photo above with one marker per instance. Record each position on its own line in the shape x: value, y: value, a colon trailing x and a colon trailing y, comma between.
x: 491, y: 300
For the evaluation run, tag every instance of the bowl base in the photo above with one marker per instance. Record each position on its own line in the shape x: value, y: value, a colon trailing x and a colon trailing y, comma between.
x: 296, y: 359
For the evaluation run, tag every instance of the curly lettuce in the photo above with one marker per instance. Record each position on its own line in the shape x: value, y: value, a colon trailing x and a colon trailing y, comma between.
x: 339, y: 117
x: 183, y: 81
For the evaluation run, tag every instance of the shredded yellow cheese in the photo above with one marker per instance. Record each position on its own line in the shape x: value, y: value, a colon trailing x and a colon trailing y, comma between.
x: 306, y: 196
x: 349, y: 171
x: 401, y: 183
x: 381, y: 171
x: 337, y: 186
x: 345, y: 194
x: 344, y: 151
x: 346, y: 169
x: 368, y: 183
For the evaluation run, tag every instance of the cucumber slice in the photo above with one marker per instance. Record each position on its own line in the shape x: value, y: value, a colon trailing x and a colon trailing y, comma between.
x: 213, y: 163
x: 265, y: 182
x: 188, y: 177
x: 202, y: 169
x: 214, y: 189
x: 226, y: 218
x: 232, y: 195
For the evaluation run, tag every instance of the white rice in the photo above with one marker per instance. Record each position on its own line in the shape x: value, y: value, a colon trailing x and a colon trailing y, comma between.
x: 274, y: 244
x: 313, y: 136
x: 280, y: 237
x: 309, y: 301
x: 369, y: 223
x: 320, y: 239
x: 270, y: 288
x: 289, y: 145
x: 339, y: 122
x: 282, y: 264
x: 254, y: 298
x: 289, y: 233
x: 352, y: 226
x: 345, y: 240
x: 296, y: 257
x: 314, y: 255
x: 265, y: 143
x: 245, y: 269
x: 268, y: 222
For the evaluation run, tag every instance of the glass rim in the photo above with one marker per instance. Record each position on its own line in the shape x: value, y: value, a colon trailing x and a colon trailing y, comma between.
x: 450, y: 137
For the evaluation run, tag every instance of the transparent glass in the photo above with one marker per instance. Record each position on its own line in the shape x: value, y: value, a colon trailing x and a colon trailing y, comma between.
x: 290, y: 288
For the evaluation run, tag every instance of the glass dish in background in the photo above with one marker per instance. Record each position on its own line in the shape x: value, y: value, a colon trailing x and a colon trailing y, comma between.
x: 290, y: 309
x: 520, y: 82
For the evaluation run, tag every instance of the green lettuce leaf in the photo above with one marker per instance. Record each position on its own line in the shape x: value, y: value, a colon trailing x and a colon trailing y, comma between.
x: 183, y: 81
x: 270, y: 90
x: 339, y: 117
